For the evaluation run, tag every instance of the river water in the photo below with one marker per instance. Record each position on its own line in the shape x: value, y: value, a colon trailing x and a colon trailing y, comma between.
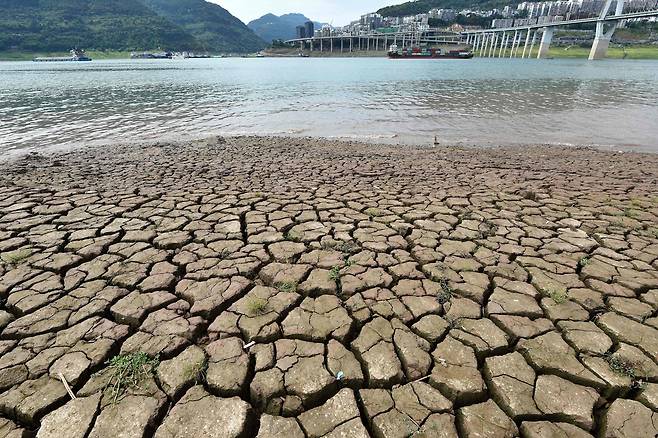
x: 487, y: 102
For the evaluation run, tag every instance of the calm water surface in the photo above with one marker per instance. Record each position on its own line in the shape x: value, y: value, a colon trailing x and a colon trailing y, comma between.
x: 482, y: 101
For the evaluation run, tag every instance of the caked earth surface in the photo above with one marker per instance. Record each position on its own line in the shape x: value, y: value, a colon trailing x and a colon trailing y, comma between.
x: 312, y: 288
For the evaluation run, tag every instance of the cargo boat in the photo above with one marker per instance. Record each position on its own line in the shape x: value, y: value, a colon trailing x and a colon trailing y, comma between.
x: 427, y: 53
x: 148, y: 55
x: 77, y: 55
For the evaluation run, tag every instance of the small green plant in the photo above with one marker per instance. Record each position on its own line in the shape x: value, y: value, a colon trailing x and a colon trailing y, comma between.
x: 445, y: 294
x: 529, y: 194
x: 257, y: 306
x: 291, y: 236
x: 654, y: 232
x: 334, y: 273
x: 454, y: 322
x: 349, y: 248
x: 621, y: 366
x: 467, y: 215
x: 584, y: 261
x: 328, y: 244
x: 373, y: 212
x: 15, y: 257
x: 129, y: 371
x: 626, y: 368
x: 558, y: 295
x: 487, y: 229
x: 197, y: 371
x: 629, y: 212
x: 224, y: 254
x: 288, y: 286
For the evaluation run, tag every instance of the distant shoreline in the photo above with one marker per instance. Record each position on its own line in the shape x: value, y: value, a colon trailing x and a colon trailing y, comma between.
x: 616, y: 52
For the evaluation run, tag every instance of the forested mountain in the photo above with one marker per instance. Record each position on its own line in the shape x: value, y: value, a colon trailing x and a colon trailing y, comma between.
x: 213, y: 26
x: 59, y: 25
x: 270, y: 27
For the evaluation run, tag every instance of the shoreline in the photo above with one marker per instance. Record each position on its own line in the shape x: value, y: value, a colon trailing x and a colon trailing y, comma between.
x: 537, y: 157
x: 391, y: 141
x: 278, y: 285
x: 628, y: 52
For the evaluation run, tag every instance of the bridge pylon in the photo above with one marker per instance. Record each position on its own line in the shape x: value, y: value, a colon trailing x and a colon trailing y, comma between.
x: 602, y: 36
x: 545, y: 44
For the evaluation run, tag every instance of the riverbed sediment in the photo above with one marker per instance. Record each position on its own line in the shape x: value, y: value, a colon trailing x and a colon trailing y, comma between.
x: 309, y: 288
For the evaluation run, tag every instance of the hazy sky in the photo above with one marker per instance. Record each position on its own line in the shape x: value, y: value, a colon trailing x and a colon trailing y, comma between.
x: 341, y: 12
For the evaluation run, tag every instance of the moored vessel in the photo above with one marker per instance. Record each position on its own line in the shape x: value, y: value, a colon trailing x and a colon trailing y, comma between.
x: 77, y: 55
x: 427, y: 53
x: 149, y: 55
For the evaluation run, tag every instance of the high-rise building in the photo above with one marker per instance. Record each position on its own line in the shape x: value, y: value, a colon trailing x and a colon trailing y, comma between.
x: 310, y: 29
x: 301, y: 31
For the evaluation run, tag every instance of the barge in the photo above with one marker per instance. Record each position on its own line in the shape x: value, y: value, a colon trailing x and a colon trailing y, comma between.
x: 148, y: 55
x: 427, y: 53
x: 77, y: 55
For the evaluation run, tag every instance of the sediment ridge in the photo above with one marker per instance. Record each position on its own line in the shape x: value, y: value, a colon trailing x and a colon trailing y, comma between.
x: 312, y: 288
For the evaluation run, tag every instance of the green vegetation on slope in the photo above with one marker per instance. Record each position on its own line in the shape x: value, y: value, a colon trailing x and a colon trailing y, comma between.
x: 213, y: 26
x: 59, y: 25
x: 119, y: 25
x: 423, y: 6
x: 93, y: 54
x: 628, y: 52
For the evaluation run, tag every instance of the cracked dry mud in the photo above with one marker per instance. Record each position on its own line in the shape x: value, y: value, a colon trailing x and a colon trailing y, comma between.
x: 388, y: 291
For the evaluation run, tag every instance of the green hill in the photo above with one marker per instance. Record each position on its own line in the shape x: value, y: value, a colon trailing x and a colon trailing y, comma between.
x: 423, y: 6
x: 59, y: 25
x: 213, y: 26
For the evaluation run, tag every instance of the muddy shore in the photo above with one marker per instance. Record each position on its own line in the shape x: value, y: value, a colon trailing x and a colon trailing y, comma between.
x: 312, y: 288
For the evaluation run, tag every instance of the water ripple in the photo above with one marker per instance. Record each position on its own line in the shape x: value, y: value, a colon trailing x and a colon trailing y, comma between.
x: 483, y: 101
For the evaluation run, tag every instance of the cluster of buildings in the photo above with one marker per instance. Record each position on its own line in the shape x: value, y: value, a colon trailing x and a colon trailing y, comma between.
x: 306, y: 31
x: 560, y: 10
x: 523, y: 14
